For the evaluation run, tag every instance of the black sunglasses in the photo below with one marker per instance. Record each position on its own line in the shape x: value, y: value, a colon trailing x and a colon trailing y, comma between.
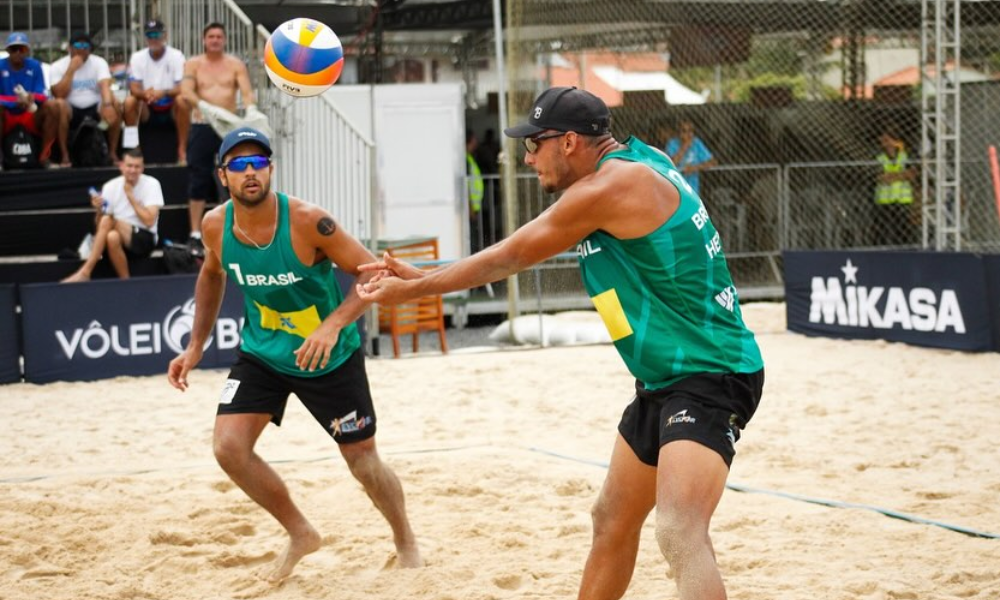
x: 240, y: 163
x: 531, y: 143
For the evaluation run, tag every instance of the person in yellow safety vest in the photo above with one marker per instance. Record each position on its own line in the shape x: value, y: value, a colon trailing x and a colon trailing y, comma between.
x: 893, y: 193
x: 474, y: 179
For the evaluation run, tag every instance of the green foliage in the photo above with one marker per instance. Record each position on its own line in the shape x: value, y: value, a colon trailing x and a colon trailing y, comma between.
x: 773, y: 62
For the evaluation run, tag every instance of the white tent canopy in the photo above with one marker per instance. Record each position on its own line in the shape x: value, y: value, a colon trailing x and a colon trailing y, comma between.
x: 630, y: 81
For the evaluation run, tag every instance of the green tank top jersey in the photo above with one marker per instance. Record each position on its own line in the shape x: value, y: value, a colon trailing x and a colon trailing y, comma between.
x: 667, y: 298
x: 284, y: 300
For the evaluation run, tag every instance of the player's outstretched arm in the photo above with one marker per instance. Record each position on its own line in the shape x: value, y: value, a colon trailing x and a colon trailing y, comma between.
x: 390, y: 266
x: 560, y: 227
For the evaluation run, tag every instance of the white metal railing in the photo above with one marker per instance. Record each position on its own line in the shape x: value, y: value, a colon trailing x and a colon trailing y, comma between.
x: 185, y: 20
x: 320, y: 156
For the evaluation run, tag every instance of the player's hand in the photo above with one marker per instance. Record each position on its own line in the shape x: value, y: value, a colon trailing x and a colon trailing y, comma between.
x: 76, y: 60
x: 180, y: 366
x: 390, y: 266
x: 385, y: 289
x: 96, y: 200
x: 315, y: 351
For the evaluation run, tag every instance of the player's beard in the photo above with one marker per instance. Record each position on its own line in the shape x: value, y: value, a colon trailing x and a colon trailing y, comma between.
x: 252, y: 198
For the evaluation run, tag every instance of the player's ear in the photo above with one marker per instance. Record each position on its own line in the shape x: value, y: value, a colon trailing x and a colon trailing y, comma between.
x: 570, y: 141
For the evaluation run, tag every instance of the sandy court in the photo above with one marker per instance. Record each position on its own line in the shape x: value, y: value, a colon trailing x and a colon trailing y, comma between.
x: 109, y: 489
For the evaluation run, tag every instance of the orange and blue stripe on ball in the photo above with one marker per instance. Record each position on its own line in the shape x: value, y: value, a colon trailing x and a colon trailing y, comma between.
x: 305, y: 61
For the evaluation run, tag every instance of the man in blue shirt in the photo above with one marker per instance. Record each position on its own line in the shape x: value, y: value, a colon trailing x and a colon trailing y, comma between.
x: 690, y: 154
x: 22, y: 94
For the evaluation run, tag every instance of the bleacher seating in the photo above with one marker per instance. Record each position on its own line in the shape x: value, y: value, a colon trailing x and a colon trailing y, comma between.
x: 44, y: 212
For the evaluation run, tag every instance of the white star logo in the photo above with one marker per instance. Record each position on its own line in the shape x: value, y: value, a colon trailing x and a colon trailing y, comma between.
x: 850, y: 272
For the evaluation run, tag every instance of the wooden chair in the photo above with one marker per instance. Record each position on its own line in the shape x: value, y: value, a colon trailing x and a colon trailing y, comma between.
x: 424, y: 314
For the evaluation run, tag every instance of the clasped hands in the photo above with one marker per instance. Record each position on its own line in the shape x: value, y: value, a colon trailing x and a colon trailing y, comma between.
x: 390, y: 284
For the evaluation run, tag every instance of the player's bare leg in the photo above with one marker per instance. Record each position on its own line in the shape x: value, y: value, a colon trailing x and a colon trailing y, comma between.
x: 235, y: 436
x: 690, y: 482
x: 385, y: 491
x: 627, y: 496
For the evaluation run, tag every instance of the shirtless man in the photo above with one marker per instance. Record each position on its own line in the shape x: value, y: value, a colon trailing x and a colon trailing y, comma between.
x: 213, y: 77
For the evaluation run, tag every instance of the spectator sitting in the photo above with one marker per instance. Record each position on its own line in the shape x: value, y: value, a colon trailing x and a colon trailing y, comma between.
x: 23, y: 99
x: 155, y: 76
x: 81, y: 87
x: 127, y: 210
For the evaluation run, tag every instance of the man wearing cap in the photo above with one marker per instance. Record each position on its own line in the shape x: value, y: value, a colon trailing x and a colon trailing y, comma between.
x: 299, y: 337
x: 23, y: 101
x: 653, y: 264
x: 81, y: 86
x: 155, y: 75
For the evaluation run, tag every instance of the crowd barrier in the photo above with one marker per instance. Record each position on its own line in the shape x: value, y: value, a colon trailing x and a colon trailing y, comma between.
x: 107, y: 328
x: 939, y: 300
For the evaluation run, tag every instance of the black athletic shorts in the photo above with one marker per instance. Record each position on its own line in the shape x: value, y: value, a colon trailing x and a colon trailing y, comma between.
x: 142, y: 244
x: 340, y: 400
x: 202, y: 146
x: 708, y: 408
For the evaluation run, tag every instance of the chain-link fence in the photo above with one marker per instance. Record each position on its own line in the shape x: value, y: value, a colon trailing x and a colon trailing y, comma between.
x: 814, y: 111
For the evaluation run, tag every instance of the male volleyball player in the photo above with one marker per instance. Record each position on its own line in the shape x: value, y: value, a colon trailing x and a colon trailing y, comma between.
x: 299, y: 337
x: 653, y: 264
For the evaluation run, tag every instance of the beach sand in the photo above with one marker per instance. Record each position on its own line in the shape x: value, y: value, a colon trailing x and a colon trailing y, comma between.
x: 109, y: 490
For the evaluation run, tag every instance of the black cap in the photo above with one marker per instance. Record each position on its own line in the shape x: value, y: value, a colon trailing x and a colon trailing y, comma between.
x: 81, y: 36
x: 565, y: 109
x: 153, y: 25
x: 243, y: 134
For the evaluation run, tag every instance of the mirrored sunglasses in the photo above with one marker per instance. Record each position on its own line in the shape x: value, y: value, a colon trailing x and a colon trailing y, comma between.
x: 81, y: 45
x: 531, y: 143
x: 240, y: 163
x: 154, y: 35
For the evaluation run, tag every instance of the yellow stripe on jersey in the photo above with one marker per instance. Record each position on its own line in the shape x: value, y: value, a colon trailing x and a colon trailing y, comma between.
x: 300, y: 323
x: 613, y: 315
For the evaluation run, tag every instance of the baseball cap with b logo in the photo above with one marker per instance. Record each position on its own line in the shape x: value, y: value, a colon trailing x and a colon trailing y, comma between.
x: 565, y: 109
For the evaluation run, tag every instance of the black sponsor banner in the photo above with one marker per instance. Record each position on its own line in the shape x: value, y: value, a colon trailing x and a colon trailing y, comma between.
x: 10, y: 335
x: 991, y: 264
x: 106, y: 328
x: 110, y: 327
x: 921, y: 298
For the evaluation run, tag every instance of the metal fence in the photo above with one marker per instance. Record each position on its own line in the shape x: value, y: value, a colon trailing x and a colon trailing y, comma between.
x: 321, y: 156
x: 807, y: 86
x: 117, y: 26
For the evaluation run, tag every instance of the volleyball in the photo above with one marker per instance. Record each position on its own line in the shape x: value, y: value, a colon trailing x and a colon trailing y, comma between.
x: 303, y: 57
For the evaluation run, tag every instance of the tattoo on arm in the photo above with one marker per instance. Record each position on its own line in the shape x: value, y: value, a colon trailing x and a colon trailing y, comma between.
x: 326, y: 226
